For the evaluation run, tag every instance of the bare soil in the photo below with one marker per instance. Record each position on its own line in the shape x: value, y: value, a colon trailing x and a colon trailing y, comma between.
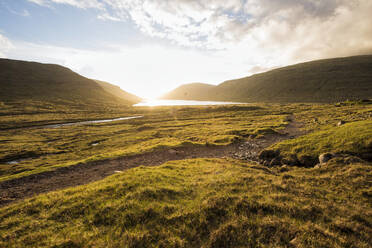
x: 28, y: 186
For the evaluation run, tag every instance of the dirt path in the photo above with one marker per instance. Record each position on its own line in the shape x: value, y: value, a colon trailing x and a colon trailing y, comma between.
x: 80, y: 174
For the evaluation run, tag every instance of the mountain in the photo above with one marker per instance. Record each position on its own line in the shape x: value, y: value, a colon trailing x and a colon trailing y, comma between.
x: 327, y: 80
x: 116, y: 91
x: 31, y: 81
x: 190, y: 91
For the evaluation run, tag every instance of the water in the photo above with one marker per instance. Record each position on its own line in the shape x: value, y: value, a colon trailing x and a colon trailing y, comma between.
x: 89, y: 122
x: 152, y: 103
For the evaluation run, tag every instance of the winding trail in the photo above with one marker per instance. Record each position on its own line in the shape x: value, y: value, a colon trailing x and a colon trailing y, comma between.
x: 28, y: 186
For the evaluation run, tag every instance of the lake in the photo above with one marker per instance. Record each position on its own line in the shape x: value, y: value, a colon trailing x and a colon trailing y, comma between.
x: 153, y: 103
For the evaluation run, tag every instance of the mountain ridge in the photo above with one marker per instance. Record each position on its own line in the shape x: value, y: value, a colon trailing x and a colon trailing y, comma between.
x: 326, y: 80
x: 33, y: 81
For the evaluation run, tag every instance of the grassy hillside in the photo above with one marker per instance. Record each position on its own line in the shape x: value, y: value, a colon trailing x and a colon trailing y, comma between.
x: 328, y: 80
x: 351, y: 139
x: 24, y: 82
x: 201, y: 203
x: 116, y: 91
x: 190, y: 92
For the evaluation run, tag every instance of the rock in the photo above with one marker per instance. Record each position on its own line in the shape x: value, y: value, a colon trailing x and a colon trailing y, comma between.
x: 340, y: 123
x: 325, y: 157
x: 284, y: 168
x: 265, y: 163
x: 275, y: 161
x: 294, y: 242
x: 268, y: 154
x: 172, y: 151
x: 317, y: 166
x: 367, y: 156
x: 307, y: 161
x: 291, y: 160
x: 352, y: 160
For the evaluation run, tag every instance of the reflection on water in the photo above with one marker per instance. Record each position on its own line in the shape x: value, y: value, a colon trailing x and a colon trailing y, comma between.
x: 180, y: 103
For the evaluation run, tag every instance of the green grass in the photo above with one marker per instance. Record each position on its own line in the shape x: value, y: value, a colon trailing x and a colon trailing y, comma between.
x: 46, y: 149
x: 198, y: 202
x: 201, y: 203
x: 353, y: 138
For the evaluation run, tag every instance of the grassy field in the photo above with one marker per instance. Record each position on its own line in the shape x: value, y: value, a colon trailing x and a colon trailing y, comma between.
x: 197, y: 202
x: 41, y: 149
x: 201, y: 203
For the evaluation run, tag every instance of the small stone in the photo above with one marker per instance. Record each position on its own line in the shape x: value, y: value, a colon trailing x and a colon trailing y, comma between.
x: 340, y: 123
x: 284, y: 168
x: 325, y: 157
x: 275, y: 161
x: 317, y: 166
x: 172, y: 151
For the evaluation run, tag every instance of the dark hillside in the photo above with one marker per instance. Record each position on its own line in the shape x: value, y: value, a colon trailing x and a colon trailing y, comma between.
x: 190, y: 91
x: 31, y: 81
x: 118, y: 92
x: 328, y: 80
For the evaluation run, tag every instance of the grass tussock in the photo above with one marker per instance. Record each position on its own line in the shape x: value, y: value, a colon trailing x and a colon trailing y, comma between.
x: 352, y: 139
x: 201, y: 203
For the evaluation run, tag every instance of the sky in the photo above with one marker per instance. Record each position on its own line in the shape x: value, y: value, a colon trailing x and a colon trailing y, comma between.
x: 149, y: 47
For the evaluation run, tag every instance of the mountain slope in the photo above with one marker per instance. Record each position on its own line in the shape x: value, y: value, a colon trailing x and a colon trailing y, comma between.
x: 190, y: 91
x: 31, y: 81
x: 118, y: 92
x: 326, y: 80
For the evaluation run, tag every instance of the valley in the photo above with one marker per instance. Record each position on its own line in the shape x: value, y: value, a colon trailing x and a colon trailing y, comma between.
x: 257, y: 175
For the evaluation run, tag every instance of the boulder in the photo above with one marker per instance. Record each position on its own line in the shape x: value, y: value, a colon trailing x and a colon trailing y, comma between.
x: 307, y: 161
x: 325, y: 157
x: 268, y: 154
x: 291, y: 160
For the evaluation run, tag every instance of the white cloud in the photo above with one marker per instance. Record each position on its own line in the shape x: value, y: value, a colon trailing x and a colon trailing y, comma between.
x: 221, y: 24
x: 23, y: 13
x: 237, y: 37
x: 84, y: 4
x: 108, y: 17
x: 5, y: 46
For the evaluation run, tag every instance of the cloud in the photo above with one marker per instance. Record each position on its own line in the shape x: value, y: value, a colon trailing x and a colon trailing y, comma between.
x: 237, y: 37
x: 23, y: 13
x: 221, y: 24
x: 83, y: 4
x: 107, y: 17
x: 5, y: 46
